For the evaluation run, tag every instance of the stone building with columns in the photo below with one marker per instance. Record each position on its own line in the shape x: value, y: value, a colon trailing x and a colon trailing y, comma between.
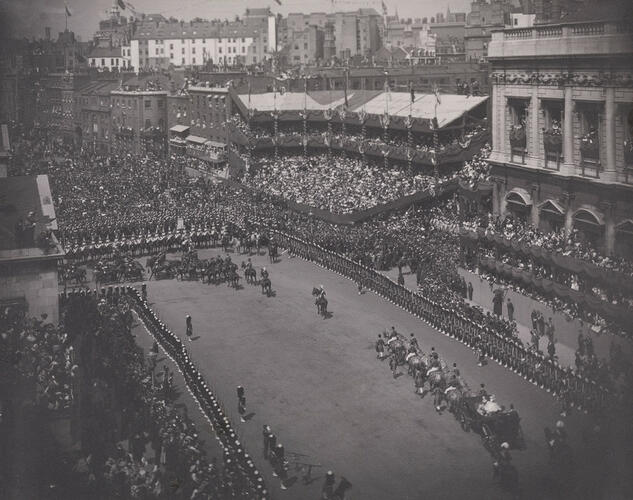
x: 562, y: 120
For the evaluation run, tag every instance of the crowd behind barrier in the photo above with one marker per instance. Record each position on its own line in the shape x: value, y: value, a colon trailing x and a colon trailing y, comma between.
x: 535, y: 367
x: 335, y: 183
x: 135, y: 204
x: 120, y: 375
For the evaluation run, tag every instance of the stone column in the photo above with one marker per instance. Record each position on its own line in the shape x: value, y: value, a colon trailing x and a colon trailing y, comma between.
x: 610, y: 172
x: 496, y: 145
x: 534, y: 136
x: 568, y: 133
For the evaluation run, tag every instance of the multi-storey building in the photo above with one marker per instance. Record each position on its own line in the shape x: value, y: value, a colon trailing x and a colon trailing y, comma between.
x: 16, y: 82
x: 484, y: 17
x: 306, y: 47
x: 55, y: 106
x: 197, y: 44
x: 139, y: 120
x: 108, y: 58
x: 345, y: 34
x: 94, y: 110
x: 198, y: 117
x: 562, y: 98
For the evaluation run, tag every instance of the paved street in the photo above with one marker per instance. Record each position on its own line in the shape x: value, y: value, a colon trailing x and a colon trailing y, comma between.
x: 318, y: 384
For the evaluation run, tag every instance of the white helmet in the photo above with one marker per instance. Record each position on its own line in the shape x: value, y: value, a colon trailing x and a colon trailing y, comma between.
x: 505, y: 445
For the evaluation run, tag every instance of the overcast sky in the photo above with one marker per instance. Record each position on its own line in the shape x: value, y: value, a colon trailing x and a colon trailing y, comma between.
x: 29, y: 17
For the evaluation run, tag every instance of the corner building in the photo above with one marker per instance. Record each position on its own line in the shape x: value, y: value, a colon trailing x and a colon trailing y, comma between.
x: 562, y: 113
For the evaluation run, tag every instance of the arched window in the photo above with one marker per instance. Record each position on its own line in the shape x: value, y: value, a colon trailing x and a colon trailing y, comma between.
x: 519, y: 203
x: 552, y: 216
x: 590, y: 226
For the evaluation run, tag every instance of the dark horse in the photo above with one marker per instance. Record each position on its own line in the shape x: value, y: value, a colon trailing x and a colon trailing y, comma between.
x: 320, y: 302
x: 266, y: 286
x: 273, y: 252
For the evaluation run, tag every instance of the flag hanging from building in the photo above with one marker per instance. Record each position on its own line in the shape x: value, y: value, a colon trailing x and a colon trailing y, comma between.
x: 68, y: 13
x: 121, y: 3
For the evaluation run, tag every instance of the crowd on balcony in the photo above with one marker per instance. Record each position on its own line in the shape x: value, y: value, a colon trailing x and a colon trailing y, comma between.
x: 335, y: 183
x: 422, y: 143
x: 571, y: 245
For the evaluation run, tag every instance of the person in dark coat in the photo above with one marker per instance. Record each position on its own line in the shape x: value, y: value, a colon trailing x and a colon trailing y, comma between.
x: 510, y: 307
x: 497, y: 302
x: 470, y: 291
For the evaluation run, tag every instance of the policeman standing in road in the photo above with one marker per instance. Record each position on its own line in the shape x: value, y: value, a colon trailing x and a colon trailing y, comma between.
x: 189, y: 327
x: 241, y: 403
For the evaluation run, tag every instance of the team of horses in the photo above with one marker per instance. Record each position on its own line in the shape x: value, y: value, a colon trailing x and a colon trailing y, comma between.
x: 119, y: 269
x: 451, y: 392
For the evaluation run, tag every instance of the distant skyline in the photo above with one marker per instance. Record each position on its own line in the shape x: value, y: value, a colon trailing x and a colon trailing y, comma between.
x: 29, y: 17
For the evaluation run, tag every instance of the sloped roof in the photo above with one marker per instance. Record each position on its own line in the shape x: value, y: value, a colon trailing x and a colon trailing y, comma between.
x: 451, y: 107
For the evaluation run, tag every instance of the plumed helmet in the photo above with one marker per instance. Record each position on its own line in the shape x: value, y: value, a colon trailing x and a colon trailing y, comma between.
x: 560, y: 424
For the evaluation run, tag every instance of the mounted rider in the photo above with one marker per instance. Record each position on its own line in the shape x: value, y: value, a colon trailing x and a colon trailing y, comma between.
x: 264, y: 273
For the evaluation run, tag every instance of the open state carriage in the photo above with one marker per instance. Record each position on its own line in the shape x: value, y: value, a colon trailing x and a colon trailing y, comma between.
x: 494, y: 428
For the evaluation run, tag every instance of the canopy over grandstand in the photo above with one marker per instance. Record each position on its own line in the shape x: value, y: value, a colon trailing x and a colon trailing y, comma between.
x: 398, y: 104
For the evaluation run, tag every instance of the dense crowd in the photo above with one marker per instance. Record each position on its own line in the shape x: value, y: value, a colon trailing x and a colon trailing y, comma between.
x: 448, y: 143
x: 571, y: 245
x: 424, y: 238
x: 122, y: 381
x: 335, y: 183
x: 43, y: 354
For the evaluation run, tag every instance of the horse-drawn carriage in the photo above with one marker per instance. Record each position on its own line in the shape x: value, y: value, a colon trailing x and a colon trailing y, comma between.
x: 71, y: 273
x: 119, y: 269
x: 160, y: 267
x: 494, y: 428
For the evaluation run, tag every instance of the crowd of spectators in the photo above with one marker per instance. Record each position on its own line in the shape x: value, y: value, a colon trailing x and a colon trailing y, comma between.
x: 476, y: 170
x: 137, y: 442
x: 570, y: 245
x: 139, y: 197
x: 41, y: 353
x: 336, y: 183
